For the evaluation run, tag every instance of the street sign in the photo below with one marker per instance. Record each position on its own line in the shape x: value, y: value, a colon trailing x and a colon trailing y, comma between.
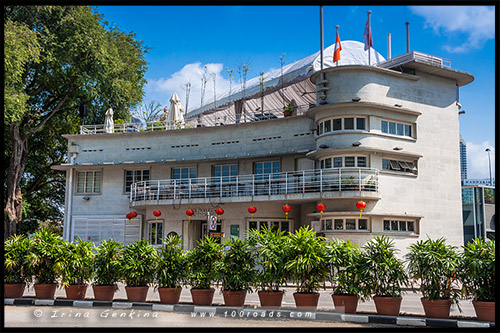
x: 212, y: 223
x: 217, y: 234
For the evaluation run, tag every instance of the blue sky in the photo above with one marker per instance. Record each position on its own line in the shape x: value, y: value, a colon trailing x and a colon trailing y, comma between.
x: 183, y: 39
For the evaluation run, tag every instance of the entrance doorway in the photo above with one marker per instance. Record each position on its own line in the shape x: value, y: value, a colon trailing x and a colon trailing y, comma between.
x: 205, y: 231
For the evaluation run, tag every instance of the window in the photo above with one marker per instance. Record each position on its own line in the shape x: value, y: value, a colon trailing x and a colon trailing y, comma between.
x: 328, y: 126
x: 348, y: 123
x: 401, y: 166
x: 274, y: 224
x: 133, y: 176
x: 343, y: 161
x: 344, y: 224
x: 349, y: 161
x: 89, y: 182
x: 155, y: 232
x: 361, y: 161
x: 338, y: 124
x: 395, y: 128
x: 184, y: 174
x: 360, y: 123
x: 399, y: 226
x: 337, y: 162
x: 264, y: 169
x: 227, y: 172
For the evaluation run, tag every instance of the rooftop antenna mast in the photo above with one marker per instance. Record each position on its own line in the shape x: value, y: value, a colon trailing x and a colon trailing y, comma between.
x: 407, y: 37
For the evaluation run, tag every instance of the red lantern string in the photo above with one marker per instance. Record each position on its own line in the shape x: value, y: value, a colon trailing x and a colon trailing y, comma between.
x: 321, y: 207
x: 360, y: 205
x: 286, y: 209
x: 189, y: 213
x: 157, y: 213
x: 252, y: 210
x: 219, y: 212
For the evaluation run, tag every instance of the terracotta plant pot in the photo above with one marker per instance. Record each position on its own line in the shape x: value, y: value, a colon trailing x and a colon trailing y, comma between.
x: 387, y: 306
x: 14, y: 290
x: 104, y: 292
x: 437, y: 308
x: 345, y: 303
x: 76, y: 291
x: 485, y: 311
x: 287, y: 113
x: 306, y: 301
x: 170, y: 295
x: 271, y: 299
x: 202, y: 296
x: 137, y: 294
x: 45, y: 290
x: 234, y: 298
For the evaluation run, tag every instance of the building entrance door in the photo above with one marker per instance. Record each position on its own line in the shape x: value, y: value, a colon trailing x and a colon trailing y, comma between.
x: 205, y: 231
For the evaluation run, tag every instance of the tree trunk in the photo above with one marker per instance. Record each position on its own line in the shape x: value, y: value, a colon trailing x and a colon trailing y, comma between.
x: 14, y: 199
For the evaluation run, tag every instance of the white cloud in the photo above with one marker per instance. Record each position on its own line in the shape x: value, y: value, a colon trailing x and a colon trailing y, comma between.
x: 477, y: 22
x: 163, y: 88
x: 477, y: 160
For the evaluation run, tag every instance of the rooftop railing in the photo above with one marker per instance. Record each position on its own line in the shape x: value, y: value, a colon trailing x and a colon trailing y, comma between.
x: 283, y: 183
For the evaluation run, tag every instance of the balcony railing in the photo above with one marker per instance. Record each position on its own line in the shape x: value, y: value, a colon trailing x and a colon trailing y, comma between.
x: 283, y: 183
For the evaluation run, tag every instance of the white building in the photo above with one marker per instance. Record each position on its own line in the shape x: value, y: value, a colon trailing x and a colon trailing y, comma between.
x: 385, y: 133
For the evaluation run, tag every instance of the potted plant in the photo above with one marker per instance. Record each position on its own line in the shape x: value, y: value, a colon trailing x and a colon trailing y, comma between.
x: 288, y: 110
x: 433, y: 264
x: 346, y: 275
x: 137, y: 269
x: 201, y: 270
x: 44, y: 261
x: 106, y: 269
x: 271, y: 256
x: 15, y: 274
x: 236, y: 271
x: 171, y: 270
x: 385, y: 273
x: 76, y: 268
x: 306, y: 266
x: 477, y: 274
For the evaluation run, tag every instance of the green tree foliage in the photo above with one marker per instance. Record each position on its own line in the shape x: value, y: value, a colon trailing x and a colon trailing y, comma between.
x: 106, y: 266
x: 56, y: 58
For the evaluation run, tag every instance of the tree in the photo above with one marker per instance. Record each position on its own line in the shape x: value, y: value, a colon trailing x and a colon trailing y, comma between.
x: 149, y: 111
x: 55, y: 59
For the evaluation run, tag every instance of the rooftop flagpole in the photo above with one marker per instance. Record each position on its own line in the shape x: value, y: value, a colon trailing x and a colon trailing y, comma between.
x: 369, y: 37
x: 321, y: 33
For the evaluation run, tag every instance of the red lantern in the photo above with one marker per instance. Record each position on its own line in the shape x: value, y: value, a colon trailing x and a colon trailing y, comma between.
x: 157, y: 213
x: 321, y: 207
x: 219, y: 212
x: 360, y: 205
x: 189, y: 213
x: 128, y: 217
x: 133, y: 214
x: 252, y: 210
x: 286, y: 209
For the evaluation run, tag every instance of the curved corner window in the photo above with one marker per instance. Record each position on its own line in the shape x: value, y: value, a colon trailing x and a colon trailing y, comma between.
x: 343, y: 161
x: 340, y: 124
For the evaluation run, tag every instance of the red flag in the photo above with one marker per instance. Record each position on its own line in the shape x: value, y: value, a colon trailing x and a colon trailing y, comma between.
x: 367, y: 36
x: 338, y: 48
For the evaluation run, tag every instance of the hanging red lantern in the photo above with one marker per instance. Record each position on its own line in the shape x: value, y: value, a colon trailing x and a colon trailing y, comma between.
x: 219, y: 212
x: 360, y: 205
x: 252, y: 210
x: 189, y: 213
x: 157, y: 213
x: 321, y: 207
x: 286, y: 208
x: 128, y: 217
x: 133, y: 214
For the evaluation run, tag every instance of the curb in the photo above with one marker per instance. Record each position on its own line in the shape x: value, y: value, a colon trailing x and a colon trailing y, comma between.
x: 251, y: 313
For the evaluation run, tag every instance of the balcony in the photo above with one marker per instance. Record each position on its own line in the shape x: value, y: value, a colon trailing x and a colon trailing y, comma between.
x: 307, y: 185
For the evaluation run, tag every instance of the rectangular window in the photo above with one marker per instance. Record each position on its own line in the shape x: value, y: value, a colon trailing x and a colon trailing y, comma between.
x: 321, y: 128
x: 328, y: 224
x: 387, y: 225
x: 394, y: 225
x: 227, y: 172
x: 328, y: 126
x: 361, y: 161
x: 252, y: 225
x: 89, y: 182
x: 394, y: 165
x: 155, y: 232
x: 337, y: 162
x: 337, y: 124
x: 411, y: 226
x: 349, y: 161
x: 328, y: 163
x: 133, y: 176
x: 402, y: 225
x: 273, y: 224
x: 263, y: 224
x: 322, y: 164
x: 285, y: 226
x: 400, y: 129
x: 184, y: 174
x: 362, y: 224
x: 350, y: 224
x: 360, y: 124
x: 348, y: 123
x: 392, y: 128
x: 385, y: 128
x: 339, y: 224
x: 408, y: 130
x: 385, y: 164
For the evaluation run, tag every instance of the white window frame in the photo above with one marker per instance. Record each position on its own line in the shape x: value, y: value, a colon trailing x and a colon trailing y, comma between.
x: 157, y: 241
x: 404, y: 124
x: 85, y: 189
x: 269, y: 222
x: 400, y: 166
x: 344, y: 224
x: 322, y: 127
x: 322, y: 162
x: 399, y: 223
x: 134, y: 180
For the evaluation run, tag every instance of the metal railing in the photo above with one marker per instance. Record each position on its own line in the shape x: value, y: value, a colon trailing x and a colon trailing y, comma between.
x: 131, y: 127
x: 292, y: 182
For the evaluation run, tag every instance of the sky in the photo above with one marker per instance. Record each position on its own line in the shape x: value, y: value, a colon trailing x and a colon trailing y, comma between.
x: 185, y: 39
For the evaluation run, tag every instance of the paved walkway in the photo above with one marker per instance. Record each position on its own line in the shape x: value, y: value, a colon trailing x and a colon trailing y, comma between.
x: 410, y: 305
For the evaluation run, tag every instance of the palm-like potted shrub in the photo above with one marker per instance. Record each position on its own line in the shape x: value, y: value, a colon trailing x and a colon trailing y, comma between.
x: 306, y: 266
x: 271, y: 256
x: 44, y: 261
x: 236, y: 271
x: 477, y: 274
x: 433, y: 264
x: 15, y: 275
x: 137, y: 269
x: 346, y: 275
x: 171, y: 270
x: 201, y: 270
x: 106, y: 269
x: 76, y: 268
x: 386, y: 275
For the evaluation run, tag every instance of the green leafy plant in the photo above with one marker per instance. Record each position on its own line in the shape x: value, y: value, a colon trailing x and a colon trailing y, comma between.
x: 44, y: 258
x: 236, y: 269
x: 76, y: 262
x: 171, y: 269
x: 307, y: 262
x: 346, y: 273
x: 16, y: 251
x: 271, y: 258
x: 138, y: 263
x: 433, y: 264
x: 477, y: 270
x: 385, y: 273
x: 201, y: 263
x: 106, y: 265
